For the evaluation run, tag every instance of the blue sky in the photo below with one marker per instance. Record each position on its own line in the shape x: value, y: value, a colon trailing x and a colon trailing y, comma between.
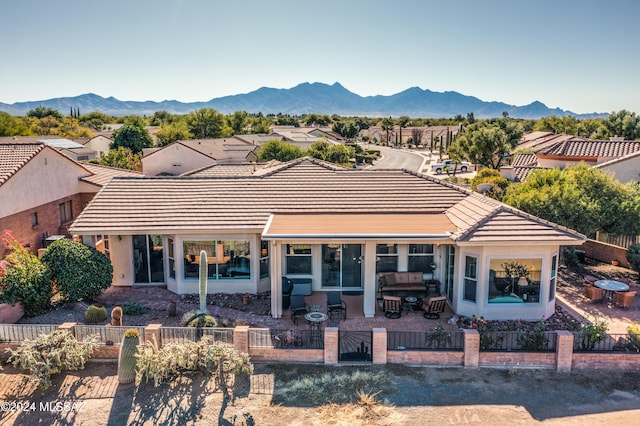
x: 577, y: 55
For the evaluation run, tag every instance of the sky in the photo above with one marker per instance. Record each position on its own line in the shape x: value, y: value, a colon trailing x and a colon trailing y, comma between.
x: 582, y: 56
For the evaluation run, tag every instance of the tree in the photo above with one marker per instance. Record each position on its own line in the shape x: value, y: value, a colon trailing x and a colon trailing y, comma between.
x: 567, y: 125
x: 12, y: 126
x: 346, y: 128
x: 416, y: 136
x: 24, y: 278
x: 402, y: 121
x: 171, y: 132
x: 276, y: 149
x: 492, y: 177
x: 387, y: 126
x: 94, y: 120
x: 131, y: 136
x: 71, y: 128
x: 80, y: 272
x: 487, y: 143
x: 319, y: 150
x: 238, y: 121
x: 581, y: 198
x: 206, y: 123
x: 122, y: 158
x: 623, y: 123
x: 260, y: 125
x: 160, y: 117
x: 42, y: 112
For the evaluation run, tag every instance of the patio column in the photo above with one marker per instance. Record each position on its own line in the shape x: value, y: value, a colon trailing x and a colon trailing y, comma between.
x: 369, y: 295
x: 275, y: 260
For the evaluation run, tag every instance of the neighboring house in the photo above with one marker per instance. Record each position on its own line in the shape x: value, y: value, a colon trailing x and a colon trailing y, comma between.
x: 42, y: 190
x: 99, y: 144
x: 333, y: 227
x: 620, y: 157
x: 187, y: 155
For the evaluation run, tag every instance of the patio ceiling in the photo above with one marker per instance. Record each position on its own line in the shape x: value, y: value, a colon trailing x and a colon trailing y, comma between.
x: 350, y: 226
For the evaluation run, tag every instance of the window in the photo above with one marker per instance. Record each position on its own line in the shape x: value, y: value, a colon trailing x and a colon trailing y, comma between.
x: 264, y: 259
x: 552, y: 281
x: 420, y: 257
x: 34, y: 219
x: 298, y: 259
x: 470, y: 278
x: 225, y: 259
x: 106, y: 246
x: 386, y: 258
x: 172, y: 259
x: 66, y: 212
x: 514, y: 280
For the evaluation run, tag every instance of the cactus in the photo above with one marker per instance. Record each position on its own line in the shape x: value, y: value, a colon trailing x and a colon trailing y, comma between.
x: 116, y: 316
x: 203, y: 282
x: 127, y: 356
x: 95, y: 313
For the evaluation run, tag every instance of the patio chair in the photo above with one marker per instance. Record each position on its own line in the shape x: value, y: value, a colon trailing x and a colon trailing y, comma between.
x: 392, y: 306
x: 593, y: 293
x: 299, y: 308
x: 624, y: 299
x: 336, y: 307
x: 433, y: 306
x: 589, y: 279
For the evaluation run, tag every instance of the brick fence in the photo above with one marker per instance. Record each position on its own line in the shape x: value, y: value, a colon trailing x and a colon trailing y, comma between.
x: 563, y: 359
x: 605, y: 252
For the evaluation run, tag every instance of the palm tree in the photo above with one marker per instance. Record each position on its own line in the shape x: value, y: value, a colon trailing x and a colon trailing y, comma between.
x: 387, y: 126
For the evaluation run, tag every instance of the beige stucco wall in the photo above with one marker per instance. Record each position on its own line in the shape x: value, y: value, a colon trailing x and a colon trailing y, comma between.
x: 47, y: 177
x: 499, y: 311
x: 175, y: 159
x: 625, y: 170
x: 100, y: 144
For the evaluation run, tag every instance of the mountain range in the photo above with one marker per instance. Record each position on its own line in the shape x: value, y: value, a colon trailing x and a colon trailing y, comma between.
x: 307, y: 98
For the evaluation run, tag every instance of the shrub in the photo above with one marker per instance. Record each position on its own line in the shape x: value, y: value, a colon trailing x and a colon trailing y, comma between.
x: 49, y: 354
x: 23, y: 278
x: 203, y: 320
x: 633, y: 333
x: 589, y: 335
x: 80, y: 272
x: 633, y: 256
x: 162, y: 364
x: 133, y: 308
x: 95, y: 313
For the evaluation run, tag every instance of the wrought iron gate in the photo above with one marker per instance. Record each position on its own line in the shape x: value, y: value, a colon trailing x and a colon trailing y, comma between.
x: 355, y: 346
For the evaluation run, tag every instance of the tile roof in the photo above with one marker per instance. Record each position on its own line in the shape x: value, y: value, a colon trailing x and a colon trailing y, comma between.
x: 101, y: 175
x: 246, y: 169
x: 524, y: 160
x: 580, y: 147
x: 303, y: 186
x: 15, y: 155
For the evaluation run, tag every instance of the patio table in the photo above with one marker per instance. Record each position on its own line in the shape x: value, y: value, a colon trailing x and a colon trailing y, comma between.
x: 609, y: 287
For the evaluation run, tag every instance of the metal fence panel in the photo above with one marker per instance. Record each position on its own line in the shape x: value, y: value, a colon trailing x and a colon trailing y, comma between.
x: 355, y: 345
x: 16, y: 333
x: 106, y: 335
x: 285, y: 339
x: 425, y: 340
x: 515, y: 341
x: 586, y: 342
x: 194, y: 334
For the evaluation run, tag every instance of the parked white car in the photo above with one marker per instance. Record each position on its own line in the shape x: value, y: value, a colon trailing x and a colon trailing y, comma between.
x: 462, y: 166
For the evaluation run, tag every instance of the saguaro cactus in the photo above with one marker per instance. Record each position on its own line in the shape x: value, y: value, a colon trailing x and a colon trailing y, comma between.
x: 127, y: 356
x: 203, y: 282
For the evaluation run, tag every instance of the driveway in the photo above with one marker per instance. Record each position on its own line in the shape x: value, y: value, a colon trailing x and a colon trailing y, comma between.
x: 398, y: 159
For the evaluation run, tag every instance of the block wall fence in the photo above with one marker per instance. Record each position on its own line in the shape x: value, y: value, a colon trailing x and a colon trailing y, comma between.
x: 564, y: 359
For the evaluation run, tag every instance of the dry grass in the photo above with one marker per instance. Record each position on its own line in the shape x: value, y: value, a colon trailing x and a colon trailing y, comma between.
x: 368, y: 410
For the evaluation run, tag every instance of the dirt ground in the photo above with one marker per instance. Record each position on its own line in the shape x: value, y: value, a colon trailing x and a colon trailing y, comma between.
x: 412, y: 395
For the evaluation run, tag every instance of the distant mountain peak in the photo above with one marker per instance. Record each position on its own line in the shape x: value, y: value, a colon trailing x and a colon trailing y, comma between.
x: 307, y: 98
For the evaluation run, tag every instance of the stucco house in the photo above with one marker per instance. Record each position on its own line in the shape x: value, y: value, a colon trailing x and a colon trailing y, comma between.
x: 42, y: 190
x: 187, y: 155
x: 619, y: 157
x: 335, y: 228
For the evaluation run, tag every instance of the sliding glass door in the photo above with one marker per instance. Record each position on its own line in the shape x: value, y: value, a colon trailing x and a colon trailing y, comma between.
x: 342, y: 265
x: 148, y: 259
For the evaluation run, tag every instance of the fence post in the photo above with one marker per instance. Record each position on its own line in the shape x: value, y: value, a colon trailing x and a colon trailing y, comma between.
x: 379, y: 346
x: 241, y: 338
x: 331, y: 345
x: 152, y: 330
x: 471, y: 347
x: 564, y: 350
x: 68, y: 326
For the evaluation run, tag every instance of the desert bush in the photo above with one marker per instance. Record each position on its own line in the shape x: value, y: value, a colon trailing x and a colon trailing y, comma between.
x: 24, y: 278
x: 633, y: 256
x: 49, y: 354
x: 133, y: 308
x: 162, y: 364
x: 80, y: 272
x: 95, y: 313
x: 633, y: 333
